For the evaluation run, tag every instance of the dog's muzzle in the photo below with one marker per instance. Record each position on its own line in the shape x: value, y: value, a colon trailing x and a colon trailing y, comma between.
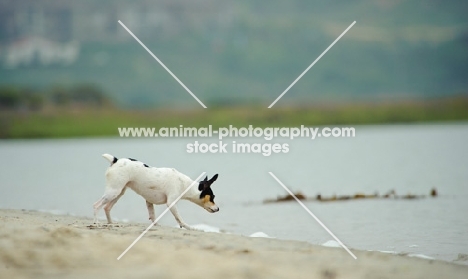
x: 212, y: 209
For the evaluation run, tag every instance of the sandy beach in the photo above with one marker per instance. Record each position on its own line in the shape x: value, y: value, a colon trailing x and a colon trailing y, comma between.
x: 42, y: 245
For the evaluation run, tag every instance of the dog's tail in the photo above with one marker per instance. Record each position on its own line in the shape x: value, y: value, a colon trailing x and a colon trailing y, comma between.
x: 110, y: 158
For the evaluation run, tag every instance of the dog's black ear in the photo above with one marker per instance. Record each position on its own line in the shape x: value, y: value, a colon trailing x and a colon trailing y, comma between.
x: 213, y: 179
x: 201, y: 186
x: 206, y: 178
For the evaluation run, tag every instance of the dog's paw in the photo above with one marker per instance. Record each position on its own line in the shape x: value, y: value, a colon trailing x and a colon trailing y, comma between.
x: 190, y: 228
x: 112, y: 225
x: 95, y: 225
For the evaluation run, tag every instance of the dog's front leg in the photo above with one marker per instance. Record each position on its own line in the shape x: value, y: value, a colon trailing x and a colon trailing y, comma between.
x: 179, y: 220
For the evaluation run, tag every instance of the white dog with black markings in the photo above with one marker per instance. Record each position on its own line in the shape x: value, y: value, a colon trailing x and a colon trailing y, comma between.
x: 156, y: 185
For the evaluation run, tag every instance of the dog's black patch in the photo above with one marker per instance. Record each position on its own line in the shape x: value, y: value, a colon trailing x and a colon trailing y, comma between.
x: 205, y: 187
x: 205, y: 183
x: 146, y: 165
x: 131, y: 159
x: 115, y: 160
x: 207, y: 191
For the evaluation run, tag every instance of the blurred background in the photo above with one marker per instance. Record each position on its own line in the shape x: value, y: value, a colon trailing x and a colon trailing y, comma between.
x: 411, y: 55
x: 68, y: 70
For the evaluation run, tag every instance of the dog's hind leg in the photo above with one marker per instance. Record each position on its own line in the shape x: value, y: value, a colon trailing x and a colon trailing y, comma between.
x: 97, y: 205
x: 109, y: 206
x: 150, y: 211
x: 104, y: 200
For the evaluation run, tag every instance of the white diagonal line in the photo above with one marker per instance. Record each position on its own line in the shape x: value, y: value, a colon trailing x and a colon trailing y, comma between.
x: 160, y: 216
x: 162, y: 64
x: 313, y: 63
x: 311, y: 214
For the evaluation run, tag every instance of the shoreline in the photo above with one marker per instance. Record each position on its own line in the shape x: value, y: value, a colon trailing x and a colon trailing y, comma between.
x: 43, y: 245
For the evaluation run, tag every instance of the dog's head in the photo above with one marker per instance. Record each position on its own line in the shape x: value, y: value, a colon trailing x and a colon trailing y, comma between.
x: 206, y: 194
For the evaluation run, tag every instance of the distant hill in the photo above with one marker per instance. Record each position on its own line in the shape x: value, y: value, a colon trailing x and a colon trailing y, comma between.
x: 237, y: 52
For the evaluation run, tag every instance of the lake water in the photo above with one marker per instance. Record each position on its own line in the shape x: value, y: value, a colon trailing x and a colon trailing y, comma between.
x: 67, y: 175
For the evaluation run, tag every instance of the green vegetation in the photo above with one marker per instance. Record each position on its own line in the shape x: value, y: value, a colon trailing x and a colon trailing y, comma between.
x: 93, y: 121
x: 404, y: 61
x: 248, y: 52
x: 25, y: 99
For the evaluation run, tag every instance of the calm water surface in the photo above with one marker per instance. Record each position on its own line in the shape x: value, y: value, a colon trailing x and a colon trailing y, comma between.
x: 68, y: 176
